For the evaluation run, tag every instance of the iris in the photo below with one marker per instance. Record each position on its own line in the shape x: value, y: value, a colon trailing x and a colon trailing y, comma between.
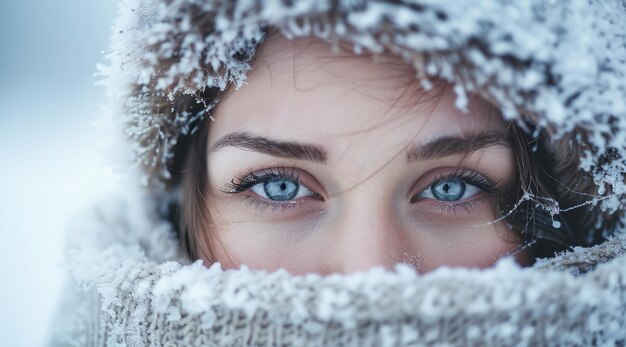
x: 448, y: 189
x: 280, y: 189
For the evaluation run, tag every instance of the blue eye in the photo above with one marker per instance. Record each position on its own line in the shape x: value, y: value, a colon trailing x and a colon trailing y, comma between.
x: 450, y: 189
x: 280, y: 189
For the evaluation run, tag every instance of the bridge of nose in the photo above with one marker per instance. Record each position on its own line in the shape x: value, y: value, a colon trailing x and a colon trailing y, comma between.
x: 367, y: 233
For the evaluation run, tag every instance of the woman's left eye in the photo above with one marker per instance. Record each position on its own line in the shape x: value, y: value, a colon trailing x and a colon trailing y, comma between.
x: 450, y: 189
x: 280, y: 189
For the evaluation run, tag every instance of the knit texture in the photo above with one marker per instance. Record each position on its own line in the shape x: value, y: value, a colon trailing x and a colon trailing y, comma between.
x: 557, y: 64
x: 131, y: 295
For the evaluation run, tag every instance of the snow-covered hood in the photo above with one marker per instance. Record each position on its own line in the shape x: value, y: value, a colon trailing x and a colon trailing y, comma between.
x: 558, y: 64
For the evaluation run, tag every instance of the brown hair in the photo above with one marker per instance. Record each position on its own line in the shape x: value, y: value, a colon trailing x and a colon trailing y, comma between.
x: 194, y: 220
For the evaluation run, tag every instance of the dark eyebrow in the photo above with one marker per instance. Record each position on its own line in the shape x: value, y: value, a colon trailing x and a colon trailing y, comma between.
x: 264, y: 145
x: 453, y: 145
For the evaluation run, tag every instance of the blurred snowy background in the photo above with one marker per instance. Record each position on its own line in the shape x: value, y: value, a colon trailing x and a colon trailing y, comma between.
x: 50, y: 162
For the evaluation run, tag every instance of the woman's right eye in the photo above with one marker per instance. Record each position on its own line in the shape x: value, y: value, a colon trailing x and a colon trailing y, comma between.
x: 281, y: 189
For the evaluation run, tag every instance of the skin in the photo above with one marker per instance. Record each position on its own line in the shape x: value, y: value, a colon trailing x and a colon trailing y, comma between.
x: 364, y: 115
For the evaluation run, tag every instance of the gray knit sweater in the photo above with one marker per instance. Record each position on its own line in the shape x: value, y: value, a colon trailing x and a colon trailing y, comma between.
x: 563, y: 61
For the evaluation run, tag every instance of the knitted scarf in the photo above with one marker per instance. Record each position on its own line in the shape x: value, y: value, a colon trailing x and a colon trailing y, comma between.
x: 130, y: 288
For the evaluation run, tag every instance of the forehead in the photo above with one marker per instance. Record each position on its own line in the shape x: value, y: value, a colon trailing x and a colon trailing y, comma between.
x: 303, y: 90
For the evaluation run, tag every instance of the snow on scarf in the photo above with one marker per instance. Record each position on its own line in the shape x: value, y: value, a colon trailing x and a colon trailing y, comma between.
x: 134, y: 290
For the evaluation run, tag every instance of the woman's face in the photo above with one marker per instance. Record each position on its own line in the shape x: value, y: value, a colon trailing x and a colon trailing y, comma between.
x: 329, y: 162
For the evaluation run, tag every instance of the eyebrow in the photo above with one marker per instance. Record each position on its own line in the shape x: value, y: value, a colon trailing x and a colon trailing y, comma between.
x: 288, y: 149
x: 441, y: 147
x: 453, y: 145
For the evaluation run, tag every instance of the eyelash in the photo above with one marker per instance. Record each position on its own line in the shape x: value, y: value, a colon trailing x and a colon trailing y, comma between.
x: 246, y: 181
x: 487, y: 185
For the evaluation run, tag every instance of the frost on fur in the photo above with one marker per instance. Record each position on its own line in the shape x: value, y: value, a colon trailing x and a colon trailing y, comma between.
x: 561, y: 62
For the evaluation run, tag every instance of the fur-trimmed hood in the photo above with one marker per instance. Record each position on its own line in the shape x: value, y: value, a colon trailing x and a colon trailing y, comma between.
x: 558, y: 65
x: 559, y: 62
